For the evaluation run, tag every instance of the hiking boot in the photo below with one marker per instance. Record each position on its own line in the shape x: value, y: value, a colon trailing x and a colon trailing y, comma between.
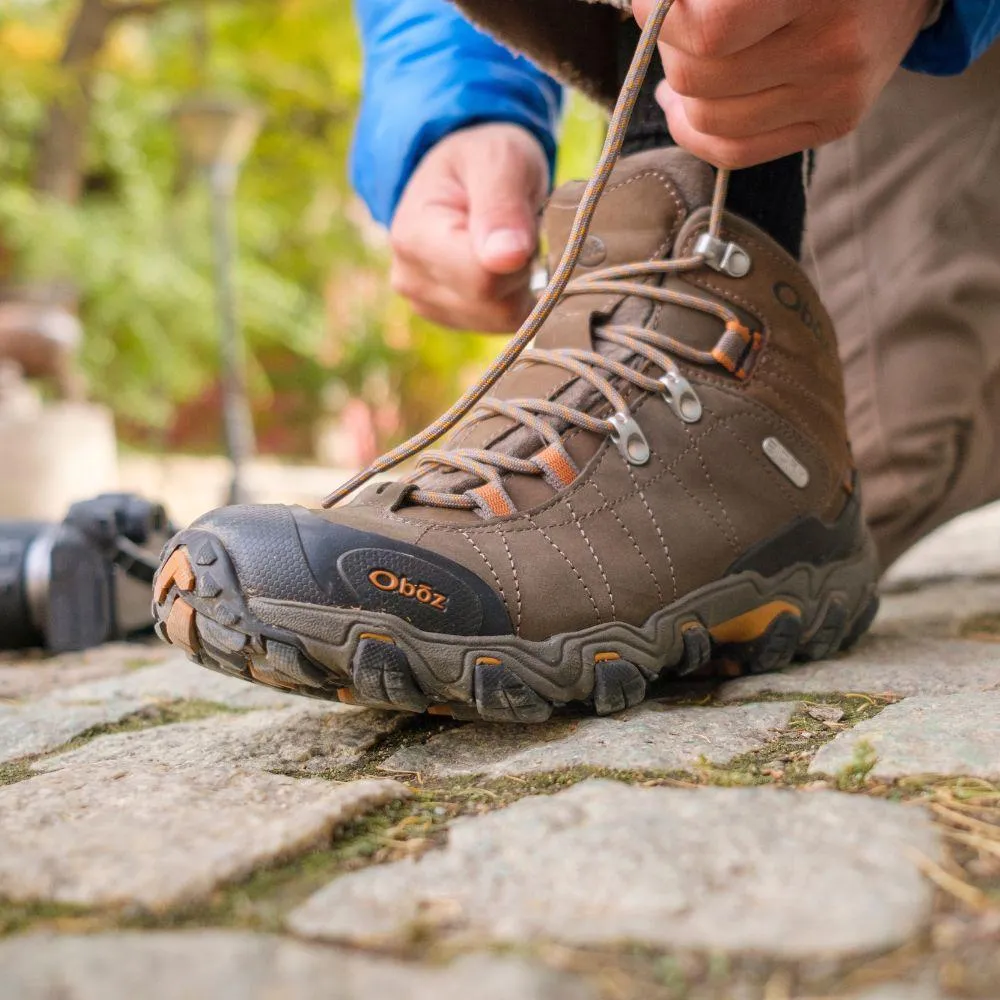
x: 661, y: 481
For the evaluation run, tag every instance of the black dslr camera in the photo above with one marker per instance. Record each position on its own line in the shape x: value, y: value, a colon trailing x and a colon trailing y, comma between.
x: 77, y: 584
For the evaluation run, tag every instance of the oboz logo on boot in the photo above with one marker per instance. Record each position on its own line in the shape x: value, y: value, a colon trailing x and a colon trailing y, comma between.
x: 789, y: 297
x: 387, y: 581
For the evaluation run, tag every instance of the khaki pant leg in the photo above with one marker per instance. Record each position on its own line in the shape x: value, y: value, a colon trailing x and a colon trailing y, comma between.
x: 904, y: 240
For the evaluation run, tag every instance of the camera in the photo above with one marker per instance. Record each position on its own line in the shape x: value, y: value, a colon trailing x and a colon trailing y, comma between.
x: 74, y: 585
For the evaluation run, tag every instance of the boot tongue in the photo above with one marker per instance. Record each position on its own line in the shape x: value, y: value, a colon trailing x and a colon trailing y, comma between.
x: 643, y: 206
x: 647, y: 199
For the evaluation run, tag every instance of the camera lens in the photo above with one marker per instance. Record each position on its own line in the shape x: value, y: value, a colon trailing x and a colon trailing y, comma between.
x: 22, y: 552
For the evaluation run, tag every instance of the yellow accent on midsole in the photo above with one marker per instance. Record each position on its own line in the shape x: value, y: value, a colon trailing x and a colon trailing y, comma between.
x: 488, y: 661
x: 753, y: 624
x: 376, y: 637
x: 606, y: 657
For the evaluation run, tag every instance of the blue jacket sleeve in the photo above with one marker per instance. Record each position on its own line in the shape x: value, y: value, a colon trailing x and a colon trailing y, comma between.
x: 965, y: 30
x: 427, y: 73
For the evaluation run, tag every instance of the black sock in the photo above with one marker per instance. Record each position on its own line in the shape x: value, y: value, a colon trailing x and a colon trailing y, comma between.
x: 771, y: 195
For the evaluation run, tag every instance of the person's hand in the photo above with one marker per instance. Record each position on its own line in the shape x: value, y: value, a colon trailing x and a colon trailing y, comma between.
x: 465, y: 231
x: 753, y: 80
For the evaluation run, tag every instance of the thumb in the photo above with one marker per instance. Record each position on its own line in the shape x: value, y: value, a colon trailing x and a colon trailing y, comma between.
x: 503, y: 200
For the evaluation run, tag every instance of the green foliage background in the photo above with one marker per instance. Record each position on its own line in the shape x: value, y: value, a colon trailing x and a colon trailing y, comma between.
x: 314, y: 301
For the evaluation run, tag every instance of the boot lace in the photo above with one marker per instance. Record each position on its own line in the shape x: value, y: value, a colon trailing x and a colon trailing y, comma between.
x: 552, y: 462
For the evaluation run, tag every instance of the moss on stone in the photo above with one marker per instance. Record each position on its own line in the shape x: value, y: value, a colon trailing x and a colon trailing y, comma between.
x: 15, y: 918
x: 148, y: 717
x: 985, y: 628
x: 854, y: 775
x: 626, y: 972
x: 12, y: 773
x: 262, y: 901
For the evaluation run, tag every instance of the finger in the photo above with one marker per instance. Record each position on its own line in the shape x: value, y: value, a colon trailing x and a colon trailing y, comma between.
x: 505, y: 247
x: 743, y: 117
x: 499, y: 304
x: 502, y: 316
x: 720, y: 27
x: 436, y: 249
x: 747, y: 72
x: 734, y: 154
x: 504, y: 197
x: 455, y: 270
x: 724, y: 27
x: 488, y: 315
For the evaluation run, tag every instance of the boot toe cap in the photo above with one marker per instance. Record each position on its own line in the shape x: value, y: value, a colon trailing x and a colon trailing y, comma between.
x: 292, y: 554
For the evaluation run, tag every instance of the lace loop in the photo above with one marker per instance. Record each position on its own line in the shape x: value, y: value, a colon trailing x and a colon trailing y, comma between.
x: 598, y: 370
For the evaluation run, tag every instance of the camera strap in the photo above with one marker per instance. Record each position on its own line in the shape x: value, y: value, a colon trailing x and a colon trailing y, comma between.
x: 133, y: 561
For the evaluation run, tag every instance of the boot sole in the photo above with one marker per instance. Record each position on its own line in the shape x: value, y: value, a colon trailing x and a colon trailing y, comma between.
x: 744, y: 623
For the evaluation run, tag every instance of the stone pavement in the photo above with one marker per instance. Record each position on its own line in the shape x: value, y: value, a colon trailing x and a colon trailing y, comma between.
x: 829, y: 832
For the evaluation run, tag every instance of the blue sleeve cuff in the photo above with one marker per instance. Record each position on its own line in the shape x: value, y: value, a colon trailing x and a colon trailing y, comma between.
x: 428, y: 73
x: 468, y: 102
x: 965, y: 30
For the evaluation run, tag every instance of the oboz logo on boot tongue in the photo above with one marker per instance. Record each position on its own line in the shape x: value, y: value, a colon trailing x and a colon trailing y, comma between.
x: 387, y: 581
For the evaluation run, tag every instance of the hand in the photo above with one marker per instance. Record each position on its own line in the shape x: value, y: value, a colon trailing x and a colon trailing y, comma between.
x: 753, y: 80
x: 465, y: 231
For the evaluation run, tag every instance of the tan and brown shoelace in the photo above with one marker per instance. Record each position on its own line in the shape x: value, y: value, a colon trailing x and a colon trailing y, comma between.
x: 552, y: 462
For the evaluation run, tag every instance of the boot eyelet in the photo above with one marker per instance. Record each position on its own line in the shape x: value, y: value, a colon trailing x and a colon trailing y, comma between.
x: 681, y: 397
x: 627, y: 434
x: 728, y: 258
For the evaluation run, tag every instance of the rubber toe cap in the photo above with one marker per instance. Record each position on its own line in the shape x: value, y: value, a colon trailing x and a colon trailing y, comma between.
x: 291, y: 554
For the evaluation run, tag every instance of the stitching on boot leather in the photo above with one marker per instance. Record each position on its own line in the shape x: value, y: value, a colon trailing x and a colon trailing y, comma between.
x: 805, y: 440
x: 733, y: 536
x: 597, y: 562
x: 569, y: 562
x: 489, y: 565
x: 777, y: 368
x: 659, y: 534
x: 635, y: 545
x: 669, y: 188
x: 803, y: 422
x: 715, y: 523
x: 517, y: 584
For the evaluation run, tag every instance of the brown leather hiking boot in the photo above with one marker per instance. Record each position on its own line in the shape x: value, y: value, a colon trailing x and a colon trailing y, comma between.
x: 664, y: 479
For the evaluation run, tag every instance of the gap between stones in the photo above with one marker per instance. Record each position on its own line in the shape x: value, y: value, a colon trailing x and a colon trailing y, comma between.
x: 625, y: 972
x: 793, y: 748
x: 404, y: 829
x: 146, y: 717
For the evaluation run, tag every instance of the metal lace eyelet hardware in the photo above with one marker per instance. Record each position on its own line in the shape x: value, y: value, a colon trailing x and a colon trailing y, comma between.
x: 681, y: 398
x: 627, y: 434
x: 729, y: 258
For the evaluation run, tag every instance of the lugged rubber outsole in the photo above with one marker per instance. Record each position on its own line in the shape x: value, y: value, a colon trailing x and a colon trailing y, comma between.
x: 740, y: 624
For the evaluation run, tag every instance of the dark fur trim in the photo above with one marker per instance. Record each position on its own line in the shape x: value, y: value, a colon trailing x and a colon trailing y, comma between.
x: 573, y: 41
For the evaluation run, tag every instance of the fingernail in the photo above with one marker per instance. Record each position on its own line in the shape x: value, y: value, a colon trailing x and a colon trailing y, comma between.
x: 665, y: 95
x: 506, y: 243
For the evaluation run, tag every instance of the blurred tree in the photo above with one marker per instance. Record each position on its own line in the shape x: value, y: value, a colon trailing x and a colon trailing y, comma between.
x: 92, y: 191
